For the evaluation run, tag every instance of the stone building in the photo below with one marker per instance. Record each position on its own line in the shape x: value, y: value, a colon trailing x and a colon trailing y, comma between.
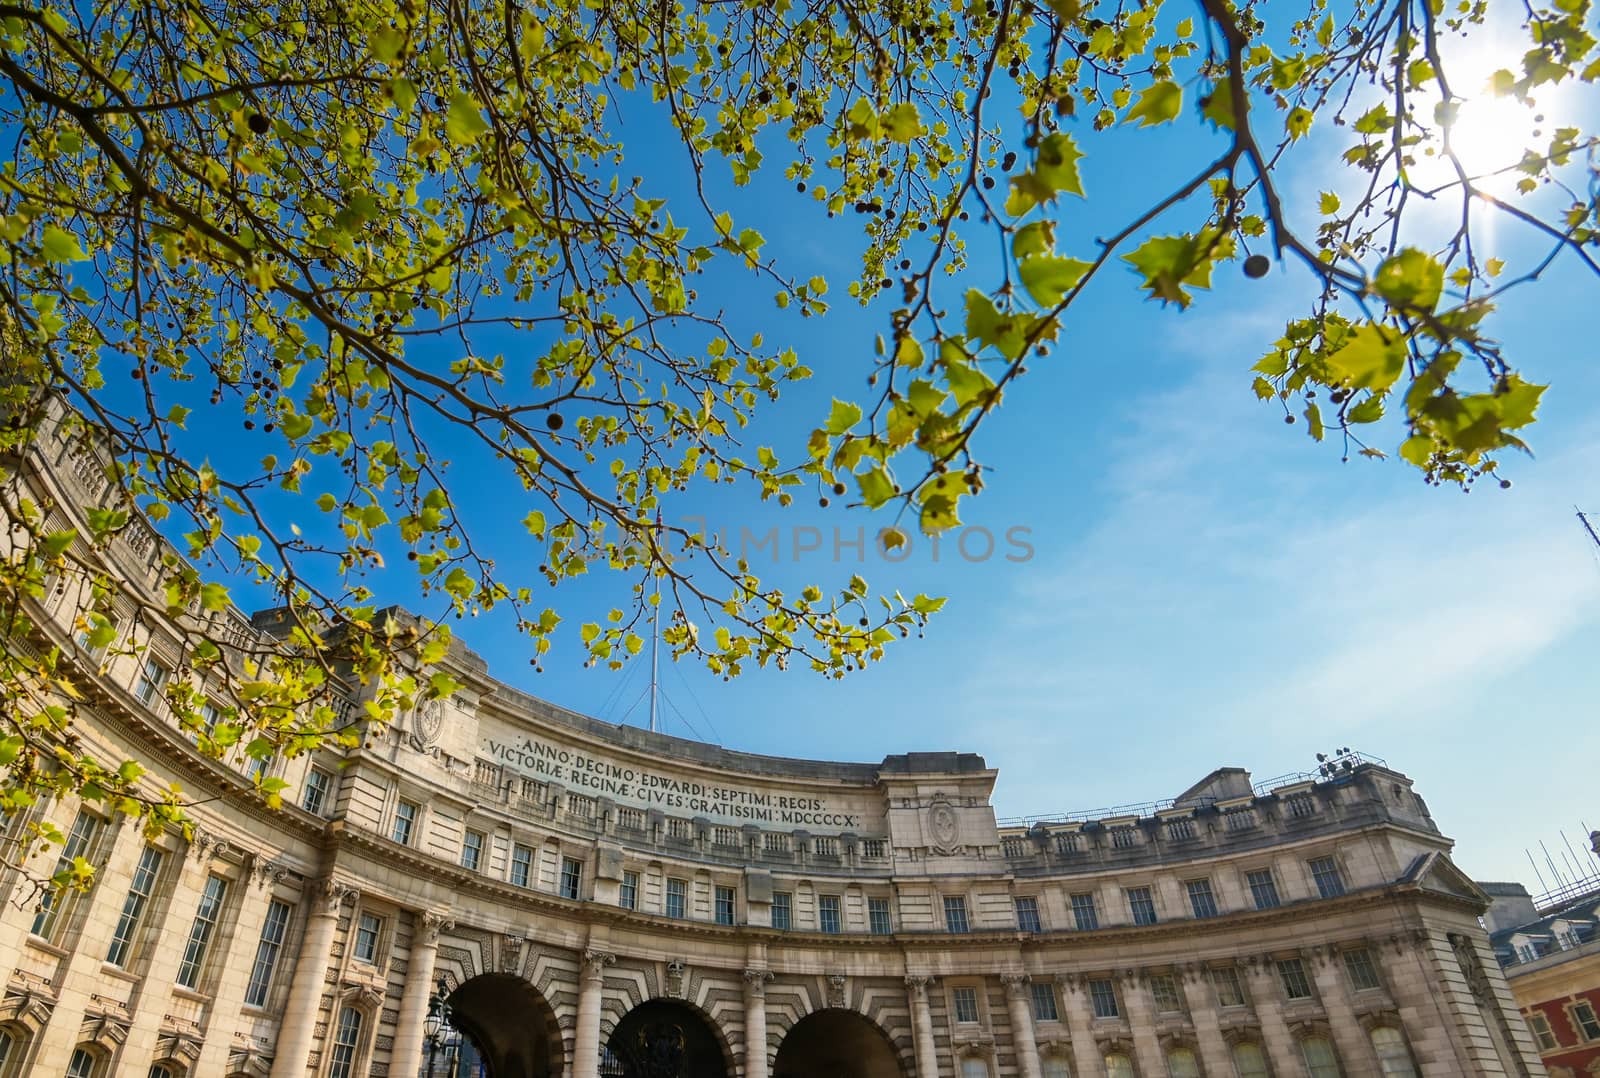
x: 592, y: 899
x: 1549, y: 948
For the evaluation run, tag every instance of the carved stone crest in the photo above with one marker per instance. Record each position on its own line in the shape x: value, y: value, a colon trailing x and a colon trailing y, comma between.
x: 944, y: 830
x: 836, y: 990
x: 427, y: 723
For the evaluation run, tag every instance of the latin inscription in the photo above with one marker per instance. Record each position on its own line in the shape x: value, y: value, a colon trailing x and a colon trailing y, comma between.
x: 650, y: 789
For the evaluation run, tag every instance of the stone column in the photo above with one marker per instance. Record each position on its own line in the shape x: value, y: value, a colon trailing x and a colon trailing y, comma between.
x: 298, y: 1027
x: 1080, y: 1025
x: 1020, y: 1008
x: 755, y: 1022
x: 1264, y: 993
x: 922, y: 1027
x: 591, y: 983
x: 406, y: 1059
x: 1354, y: 1047
x: 1141, y: 1020
x: 1214, y: 1055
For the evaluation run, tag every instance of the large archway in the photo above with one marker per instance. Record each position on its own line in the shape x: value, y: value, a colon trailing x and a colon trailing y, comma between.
x: 836, y: 1044
x: 512, y: 1028
x: 662, y: 1038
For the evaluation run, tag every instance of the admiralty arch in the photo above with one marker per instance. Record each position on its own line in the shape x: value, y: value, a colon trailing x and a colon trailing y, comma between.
x: 558, y: 896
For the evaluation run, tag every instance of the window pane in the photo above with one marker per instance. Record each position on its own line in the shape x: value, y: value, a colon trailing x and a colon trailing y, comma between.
x: 828, y: 913
x: 405, y: 822
x: 1103, y: 995
x: 1027, y: 914
x: 965, y: 1001
x: 1229, y: 992
x: 955, y: 914
x: 1249, y: 1060
x: 974, y: 1067
x: 571, y: 877
x: 344, y: 1045
x: 725, y: 902
x: 782, y: 909
x: 628, y: 894
x: 1083, y: 912
x: 878, y: 916
x: 1325, y: 871
x: 1165, y: 992
x: 1141, y: 905
x: 1044, y: 1002
x: 1119, y: 1066
x: 1584, y: 1014
x: 1201, y: 899
x: 1263, y: 889
x: 133, y: 907
x: 1295, y: 984
x: 1181, y: 1063
x: 205, y: 922
x: 676, y: 889
x: 471, y: 850
x: 315, y: 796
x: 1393, y: 1056
x: 81, y: 841
x: 81, y: 1065
x: 521, y: 865
x: 367, y: 930
x: 1054, y: 1067
x: 273, y: 930
x: 1363, y: 973
x: 1319, y: 1057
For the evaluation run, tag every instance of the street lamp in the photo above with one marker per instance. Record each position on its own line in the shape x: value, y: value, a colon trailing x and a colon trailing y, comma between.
x: 437, y: 1019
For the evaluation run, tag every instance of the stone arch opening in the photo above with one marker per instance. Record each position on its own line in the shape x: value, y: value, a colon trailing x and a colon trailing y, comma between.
x: 665, y: 1038
x: 837, y: 1043
x: 511, y: 1027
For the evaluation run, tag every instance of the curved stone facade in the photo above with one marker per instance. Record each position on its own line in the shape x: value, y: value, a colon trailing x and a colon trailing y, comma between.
x: 595, y: 899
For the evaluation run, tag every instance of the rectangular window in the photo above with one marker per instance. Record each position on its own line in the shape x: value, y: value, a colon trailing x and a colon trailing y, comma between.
x: 1083, y: 912
x: 676, y: 890
x: 81, y: 841
x: 1044, y: 1002
x: 314, y: 799
x: 1027, y: 914
x: 368, y: 929
x: 782, y: 910
x: 255, y: 767
x: 133, y: 907
x: 210, y: 716
x: 152, y: 679
x: 521, y: 865
x: 1141, y: 905
x: 725, y: 900
x: 405, y: 822
x: 1201, y: 900
x: 955, y: 913
x: 1293, y: 973
x: 965, y: 1001
x: 273, y: 931
x: 878, y: 917
x: 345, y: 1044
x: 1583, y: 1016
x: 572, y: 877
x: 1263, y: 888
x: 1103, y: 998
x: 1164, y: 990
x: 628, y: 893
x: 1363, y: 973
x: 471, y: 850
x: 1540, y: 1025
x: 1230, y: 993
x: 828, y: 913
x: 1326, y: 872
x: 205, y: 923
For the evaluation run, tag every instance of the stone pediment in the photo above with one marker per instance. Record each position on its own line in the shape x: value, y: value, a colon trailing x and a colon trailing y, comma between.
x: 1437, y: 873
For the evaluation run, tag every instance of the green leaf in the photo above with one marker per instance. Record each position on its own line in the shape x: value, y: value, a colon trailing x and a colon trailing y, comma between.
x: 1298, y: 123
x: 1048, y: 278
x: 1217, y: 106
x: 465, y: 121
x: 1370, y: 358
x: 61, y: 246
x: 987, y: 325
x: 1055, y: 170
x: 213, y: 597
x: 876, y: 486
x: 1036, y: 238
x: 1328, y: 203
x: 1368, y: 411
x: 845, y: 415
x: 534, y: 523
x: 902, y: 123
x: 1156, y: 105
x: 9, y: 748
x: 1410, y: 279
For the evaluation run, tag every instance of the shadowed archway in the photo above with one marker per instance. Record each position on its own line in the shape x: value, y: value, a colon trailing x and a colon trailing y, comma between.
x: 510, y: 1024
x: 663, y: 1038
x: 836, y: 1044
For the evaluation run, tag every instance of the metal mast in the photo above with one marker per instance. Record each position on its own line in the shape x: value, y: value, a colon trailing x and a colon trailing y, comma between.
x: 1588, y: 527
x: 655, y: 656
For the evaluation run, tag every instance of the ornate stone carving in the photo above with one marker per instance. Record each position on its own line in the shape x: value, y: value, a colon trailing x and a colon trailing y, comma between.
x: 594, y: 965
x: 677, y: 975
x: 267, y: 873
x: 209, y: 844
x: 427, y: 722
x: 1016, y: 984
x: 328, y: 894
x: 836, y: 990
x: 1471, y: 968
x: 919, y: 984
x: 944, y: 828
x: 755, y: 982
x: 510, y: 953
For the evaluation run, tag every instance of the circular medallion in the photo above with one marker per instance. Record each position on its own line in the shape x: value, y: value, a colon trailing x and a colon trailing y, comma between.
x: 429, y: 722
x: 942, y: 825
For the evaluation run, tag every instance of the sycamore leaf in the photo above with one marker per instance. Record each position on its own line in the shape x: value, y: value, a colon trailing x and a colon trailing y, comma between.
x: 60, y: 245
x: 1156, y: 105
x: 1050, y: 277
x: 902, y: 123
x: 845, y: 415
x: 1410, y: 279
x: 1371, y: 358
x: 465, y: 121
x: 987, y: 325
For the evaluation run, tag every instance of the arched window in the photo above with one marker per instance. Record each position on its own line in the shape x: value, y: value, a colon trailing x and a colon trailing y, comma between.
x: 1248, y: 1060
x: 1181, y: 1063
x: 974, y: 1067
x: 1119, y: 1066
x: 1320, y: 1061
x: 10, y: 1052
x: 1053, y: 1066
x: 83, y: 1064
x: 1394, y: 1057
x: 165, y: 1069
x: 345, y: 1043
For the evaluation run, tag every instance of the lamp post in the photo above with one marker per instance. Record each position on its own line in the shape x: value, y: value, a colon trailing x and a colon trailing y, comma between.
x: 436, y: 1020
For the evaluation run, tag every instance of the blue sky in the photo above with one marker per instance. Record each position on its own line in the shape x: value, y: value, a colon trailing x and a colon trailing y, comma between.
x: 1207, y: 587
